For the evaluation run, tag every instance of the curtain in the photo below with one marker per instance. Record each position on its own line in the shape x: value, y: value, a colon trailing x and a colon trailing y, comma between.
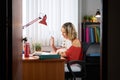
x: 58, y: 12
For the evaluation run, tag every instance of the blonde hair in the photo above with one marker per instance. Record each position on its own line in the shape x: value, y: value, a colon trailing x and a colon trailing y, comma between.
x: 70, y: 30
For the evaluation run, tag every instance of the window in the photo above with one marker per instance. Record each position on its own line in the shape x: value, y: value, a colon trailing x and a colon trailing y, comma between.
x: 57, y: 11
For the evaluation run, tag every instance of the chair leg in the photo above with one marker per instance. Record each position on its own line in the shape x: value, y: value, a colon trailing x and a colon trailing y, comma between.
x: 83, y: 78
x: 71, y: 79
x: 66, y: 79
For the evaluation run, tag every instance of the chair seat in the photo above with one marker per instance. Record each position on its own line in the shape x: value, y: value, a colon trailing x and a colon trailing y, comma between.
x: 74, y: 67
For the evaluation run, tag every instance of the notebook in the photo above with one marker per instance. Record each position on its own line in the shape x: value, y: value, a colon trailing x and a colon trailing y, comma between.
x: 46, y: 55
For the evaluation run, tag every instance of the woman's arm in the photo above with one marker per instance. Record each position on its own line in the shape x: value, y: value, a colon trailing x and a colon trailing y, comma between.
x: 52, y: 44
x: 63, y: 54
x: 75, y: 43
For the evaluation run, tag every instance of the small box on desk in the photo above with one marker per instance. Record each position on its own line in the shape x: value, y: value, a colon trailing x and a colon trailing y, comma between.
x: 50, y: 56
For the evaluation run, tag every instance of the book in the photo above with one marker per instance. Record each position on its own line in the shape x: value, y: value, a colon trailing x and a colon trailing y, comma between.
x: 91, y: 35
x: 49, y: 56
x: 87, y: 35
x: 98, y: 33
x: 96, y: 36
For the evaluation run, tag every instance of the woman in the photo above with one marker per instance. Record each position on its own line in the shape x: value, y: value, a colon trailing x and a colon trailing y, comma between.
x: 74, y: 51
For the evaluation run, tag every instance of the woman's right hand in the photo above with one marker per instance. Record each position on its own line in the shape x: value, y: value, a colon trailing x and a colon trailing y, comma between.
x: 52, y: 41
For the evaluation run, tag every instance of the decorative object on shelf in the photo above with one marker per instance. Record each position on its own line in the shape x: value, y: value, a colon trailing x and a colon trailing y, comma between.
x: 94, y: 19
x: 89, y: 18
x: 86, y: 18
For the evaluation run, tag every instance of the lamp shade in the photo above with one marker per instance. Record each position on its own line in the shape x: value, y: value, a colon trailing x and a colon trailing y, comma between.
x: 98, y: 13
x: 43, y: 21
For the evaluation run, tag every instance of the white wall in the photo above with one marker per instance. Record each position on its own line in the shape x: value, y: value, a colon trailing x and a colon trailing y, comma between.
x: 89, y: 7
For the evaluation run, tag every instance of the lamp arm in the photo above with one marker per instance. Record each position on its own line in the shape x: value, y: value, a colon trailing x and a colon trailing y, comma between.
x: 31, y: 22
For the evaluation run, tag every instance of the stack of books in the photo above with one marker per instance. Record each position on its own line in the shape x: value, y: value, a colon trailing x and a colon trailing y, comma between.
x: 46, y: 55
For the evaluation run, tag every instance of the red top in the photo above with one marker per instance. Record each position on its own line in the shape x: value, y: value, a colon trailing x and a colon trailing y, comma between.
x: 74, y: 53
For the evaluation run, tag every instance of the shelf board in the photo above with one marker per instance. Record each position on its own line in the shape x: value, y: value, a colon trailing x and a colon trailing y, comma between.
x: 91, y: 23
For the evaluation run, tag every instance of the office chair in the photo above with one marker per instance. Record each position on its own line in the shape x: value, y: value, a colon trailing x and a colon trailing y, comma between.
x: 77, y: 68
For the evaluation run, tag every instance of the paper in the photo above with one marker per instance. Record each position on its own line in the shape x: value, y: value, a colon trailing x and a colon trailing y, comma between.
x: 43, y: 53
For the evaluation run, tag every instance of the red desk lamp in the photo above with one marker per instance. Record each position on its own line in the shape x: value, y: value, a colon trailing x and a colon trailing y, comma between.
x: 43, y: 21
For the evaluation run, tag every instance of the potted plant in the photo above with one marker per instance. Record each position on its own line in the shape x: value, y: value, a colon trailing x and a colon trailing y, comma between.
x: 90, y: 18
x: 86, y: 18
x: 37, y: 46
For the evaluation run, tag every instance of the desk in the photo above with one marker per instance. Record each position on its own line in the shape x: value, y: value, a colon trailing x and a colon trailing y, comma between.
x: 35, y: 69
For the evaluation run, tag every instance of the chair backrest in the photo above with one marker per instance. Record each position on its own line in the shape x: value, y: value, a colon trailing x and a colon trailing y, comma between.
x: 82, y: 63
x: 85, y: 47
x: 93, y: 50
x: 93, y: 53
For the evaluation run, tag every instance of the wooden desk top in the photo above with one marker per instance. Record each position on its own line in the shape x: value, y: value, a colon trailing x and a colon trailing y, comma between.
x: 30, y: 57
x: 36, y: 58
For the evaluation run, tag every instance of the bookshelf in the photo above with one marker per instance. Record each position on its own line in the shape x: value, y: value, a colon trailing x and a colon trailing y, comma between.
x: 90, y: 35
x: 91, y: 32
